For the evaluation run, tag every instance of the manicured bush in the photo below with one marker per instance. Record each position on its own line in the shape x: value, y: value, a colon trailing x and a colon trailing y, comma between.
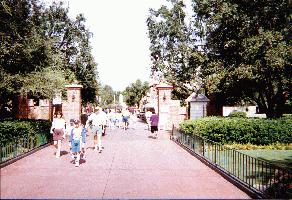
x: 275, y: 146
x: 238, y: 114
x: 241, y: 130
x: 287, y: 116
x: 13, y: 130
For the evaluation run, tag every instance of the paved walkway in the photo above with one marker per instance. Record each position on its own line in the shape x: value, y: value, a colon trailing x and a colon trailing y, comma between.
x: 132, y: 165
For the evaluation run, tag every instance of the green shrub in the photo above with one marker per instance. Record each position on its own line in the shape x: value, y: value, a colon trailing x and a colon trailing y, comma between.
x: 275, y: 146
x: 287, y: 116
x: 238, y: 114
x: 13, y: 130
x: 241, y: 130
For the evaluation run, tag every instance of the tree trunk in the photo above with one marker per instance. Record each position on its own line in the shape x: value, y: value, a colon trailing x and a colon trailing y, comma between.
x: 276, y: 109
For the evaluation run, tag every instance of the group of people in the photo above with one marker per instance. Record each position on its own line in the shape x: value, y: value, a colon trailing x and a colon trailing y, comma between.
x: 95, y: 126
x: 118, y: 119
x: 77, y: 132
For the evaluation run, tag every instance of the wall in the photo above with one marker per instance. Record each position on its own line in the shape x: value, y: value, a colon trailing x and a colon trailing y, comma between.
x: 71, y: 108
x: 27, y: 109
x: 170, y: 111
x: 250, y: 111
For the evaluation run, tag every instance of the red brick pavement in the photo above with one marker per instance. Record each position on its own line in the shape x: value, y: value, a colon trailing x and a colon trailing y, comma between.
x: 132, y: 165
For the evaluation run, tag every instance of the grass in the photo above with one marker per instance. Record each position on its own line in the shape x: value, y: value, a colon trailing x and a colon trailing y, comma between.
x: 254, y: 172
x: 277, y: 157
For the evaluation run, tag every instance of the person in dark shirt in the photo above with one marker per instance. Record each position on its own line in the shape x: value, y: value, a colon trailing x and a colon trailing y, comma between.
x: 154, y: 119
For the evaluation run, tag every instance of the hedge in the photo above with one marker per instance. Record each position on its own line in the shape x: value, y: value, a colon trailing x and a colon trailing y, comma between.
x: 12, y: 130
x: 238, y: 114
x: 241, y: 130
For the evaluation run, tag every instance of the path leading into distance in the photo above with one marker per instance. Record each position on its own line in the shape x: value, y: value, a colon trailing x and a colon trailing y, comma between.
x: 132, y: 165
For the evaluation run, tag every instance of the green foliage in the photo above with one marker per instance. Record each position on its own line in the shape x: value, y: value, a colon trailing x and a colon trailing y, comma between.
x: 287, y: 116
x: 238, y: 49
x: 249, y: 51
x: 43, y: 43
x: 173, y: 49
x: 237, y: 114
x: 249, y: 146
x: 106, y: 96
x: 135, y: 92
x: 241, y: 130
x: 13, y: 130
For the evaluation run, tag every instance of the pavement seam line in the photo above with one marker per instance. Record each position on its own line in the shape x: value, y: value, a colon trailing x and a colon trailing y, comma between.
x: 108, y: 175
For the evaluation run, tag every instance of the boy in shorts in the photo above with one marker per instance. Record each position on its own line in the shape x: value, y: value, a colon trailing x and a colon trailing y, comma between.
x: 77, y: 139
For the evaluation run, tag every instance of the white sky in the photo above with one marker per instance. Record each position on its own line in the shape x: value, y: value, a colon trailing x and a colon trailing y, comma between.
x: 120, y: 44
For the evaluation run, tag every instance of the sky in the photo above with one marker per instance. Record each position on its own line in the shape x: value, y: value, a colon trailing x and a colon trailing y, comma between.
x: 120, y: 44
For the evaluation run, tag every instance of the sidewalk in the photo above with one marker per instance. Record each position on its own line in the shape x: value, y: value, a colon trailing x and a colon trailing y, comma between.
x: 132, y: 165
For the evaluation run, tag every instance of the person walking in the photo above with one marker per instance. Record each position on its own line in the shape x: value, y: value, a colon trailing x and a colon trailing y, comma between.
x: 68, y: 132
x: 119, y: 118
x: 104, y: 121
x: 58, y: 130
x: 154, y: 119
x: 111, y: 119
x: 148, y: 114
x: 126, y: 115
x: 77, y: 139
x: 96, y: 119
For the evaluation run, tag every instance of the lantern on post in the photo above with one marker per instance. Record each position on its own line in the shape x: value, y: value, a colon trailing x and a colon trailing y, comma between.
x: 198, y: 105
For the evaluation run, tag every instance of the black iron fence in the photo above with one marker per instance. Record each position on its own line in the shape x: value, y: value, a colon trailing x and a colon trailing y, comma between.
x: 263, y: 178
x: 23, y: 145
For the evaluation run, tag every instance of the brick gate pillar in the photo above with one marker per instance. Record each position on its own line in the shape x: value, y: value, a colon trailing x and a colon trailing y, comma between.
x: 72, y: 107
x: 164, y: 103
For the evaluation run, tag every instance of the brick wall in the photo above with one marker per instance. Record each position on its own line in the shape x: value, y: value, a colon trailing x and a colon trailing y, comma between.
x: 28, y: 110
x: 71, y: 108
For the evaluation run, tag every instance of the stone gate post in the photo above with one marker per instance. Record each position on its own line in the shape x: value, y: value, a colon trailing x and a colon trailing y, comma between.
x: 164, y: 103
x: 72, y: 107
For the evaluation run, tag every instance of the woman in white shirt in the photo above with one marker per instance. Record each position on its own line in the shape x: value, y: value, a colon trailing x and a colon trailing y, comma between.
x: 58, y: 130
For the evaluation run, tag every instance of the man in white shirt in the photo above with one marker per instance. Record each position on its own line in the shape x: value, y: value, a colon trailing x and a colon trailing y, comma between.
x: 97, y: 119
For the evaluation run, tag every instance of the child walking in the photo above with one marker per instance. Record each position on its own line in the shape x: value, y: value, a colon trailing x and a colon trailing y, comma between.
x: 77, y: 139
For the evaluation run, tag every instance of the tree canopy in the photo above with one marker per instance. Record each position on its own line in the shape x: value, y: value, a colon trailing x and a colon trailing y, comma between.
x: 238, y: 49
x: 249, y: 50
x: 134, y: 92
x: 106, y: 96
x: 42, y: 49
x: 173, y: 48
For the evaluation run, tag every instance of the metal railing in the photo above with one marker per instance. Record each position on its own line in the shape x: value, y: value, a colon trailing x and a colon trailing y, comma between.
x: 22, y: 146
x: 259, y: 176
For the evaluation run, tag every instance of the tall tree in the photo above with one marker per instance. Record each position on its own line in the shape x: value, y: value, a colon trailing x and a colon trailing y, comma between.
x: 134, y: 92
x: 106, y: 96
x: 39, y: 43
x: 24, y: 53
x: 175, y: 49
x: 72, y: 42
x: 249, y: 50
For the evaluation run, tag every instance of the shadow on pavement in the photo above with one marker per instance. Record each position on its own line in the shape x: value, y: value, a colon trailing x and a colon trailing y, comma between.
x: 63, y: 153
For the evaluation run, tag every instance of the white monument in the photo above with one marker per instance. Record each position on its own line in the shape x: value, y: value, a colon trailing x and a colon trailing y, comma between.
x: 121, y: 101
